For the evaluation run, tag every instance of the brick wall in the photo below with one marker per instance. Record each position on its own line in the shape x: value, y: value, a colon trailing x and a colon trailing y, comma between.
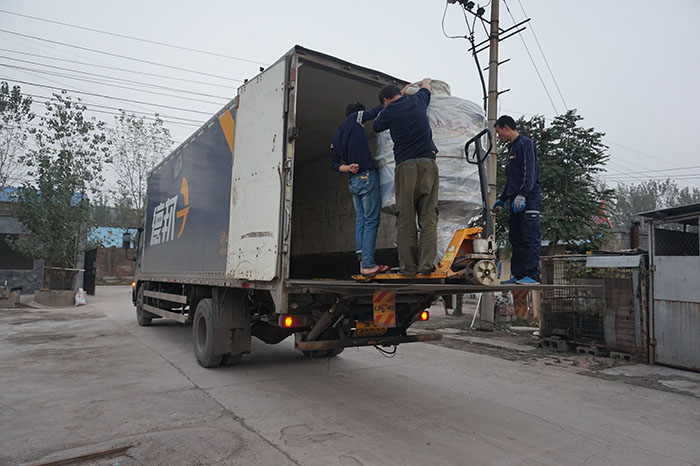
x: 112, y: 262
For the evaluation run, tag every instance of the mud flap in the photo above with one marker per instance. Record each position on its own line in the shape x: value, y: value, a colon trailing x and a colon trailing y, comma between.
x: 232, y: 332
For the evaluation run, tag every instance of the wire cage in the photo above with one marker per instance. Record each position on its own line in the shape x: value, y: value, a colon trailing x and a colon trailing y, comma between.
x: 676, y: 238
x: 608, y: 314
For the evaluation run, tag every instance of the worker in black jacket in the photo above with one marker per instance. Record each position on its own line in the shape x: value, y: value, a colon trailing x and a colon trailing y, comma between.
x: 350, y: 154
x: 524, y: 191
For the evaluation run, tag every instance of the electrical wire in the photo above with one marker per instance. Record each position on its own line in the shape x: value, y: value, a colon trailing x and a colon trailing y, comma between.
x: 386, y: 353
x: 556, y: 84
x: 443, y: 25
x: 164, y: 120
x: 692, y: 167
x: 85, y: 101
x: 114, y: 78
x: 124, y: 36
x: 126, y: 70
x: 107, y: 96
x: 533, y: 61
x: 117, y: 55
x: 476, y: 58
x: 146, y: 116
x: 82, y: 101
x: 46, y: 98
x: 78, y: 78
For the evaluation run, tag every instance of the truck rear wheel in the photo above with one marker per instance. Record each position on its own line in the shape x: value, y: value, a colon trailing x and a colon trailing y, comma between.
x: 203, y: 335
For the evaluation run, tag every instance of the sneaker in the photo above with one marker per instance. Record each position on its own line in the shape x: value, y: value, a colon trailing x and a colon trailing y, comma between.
x: 510, y: 281
x: 527, y: 281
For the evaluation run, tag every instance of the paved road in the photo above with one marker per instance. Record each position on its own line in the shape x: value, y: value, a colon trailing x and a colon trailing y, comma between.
x: 85, y: 380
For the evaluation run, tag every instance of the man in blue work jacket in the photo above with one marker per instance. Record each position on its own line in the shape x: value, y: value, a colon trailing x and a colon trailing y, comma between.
x: 350, y: 154
x: 524, y: 192
x: 415, y: 176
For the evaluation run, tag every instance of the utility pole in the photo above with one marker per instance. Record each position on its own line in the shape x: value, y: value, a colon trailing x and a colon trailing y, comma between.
x: 487, y: 300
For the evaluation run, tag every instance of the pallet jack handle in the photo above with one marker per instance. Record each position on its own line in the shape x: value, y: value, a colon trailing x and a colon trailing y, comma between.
x: 477, y: 154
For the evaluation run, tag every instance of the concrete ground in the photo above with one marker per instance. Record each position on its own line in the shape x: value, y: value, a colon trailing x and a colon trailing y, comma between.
x: 88, y: 381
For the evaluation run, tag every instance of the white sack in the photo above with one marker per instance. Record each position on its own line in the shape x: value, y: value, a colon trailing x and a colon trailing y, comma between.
x: 453, y: 122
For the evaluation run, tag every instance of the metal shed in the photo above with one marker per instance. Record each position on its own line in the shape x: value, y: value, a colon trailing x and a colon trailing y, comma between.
x: 674, y: 265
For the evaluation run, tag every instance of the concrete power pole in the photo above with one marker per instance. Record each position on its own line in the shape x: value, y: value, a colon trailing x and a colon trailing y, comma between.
x: 487, y: 301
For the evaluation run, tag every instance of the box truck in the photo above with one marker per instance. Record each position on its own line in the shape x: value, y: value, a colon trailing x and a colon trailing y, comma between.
x: 248, y: 232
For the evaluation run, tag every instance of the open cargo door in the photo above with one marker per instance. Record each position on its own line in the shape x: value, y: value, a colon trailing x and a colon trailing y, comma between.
x: 256, y: 188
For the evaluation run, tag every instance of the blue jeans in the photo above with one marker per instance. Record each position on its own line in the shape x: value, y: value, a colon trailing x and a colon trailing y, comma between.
x: 364, y: 187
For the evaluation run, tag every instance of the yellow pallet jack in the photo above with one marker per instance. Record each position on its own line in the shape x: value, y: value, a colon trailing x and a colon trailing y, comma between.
x: 470, y: 256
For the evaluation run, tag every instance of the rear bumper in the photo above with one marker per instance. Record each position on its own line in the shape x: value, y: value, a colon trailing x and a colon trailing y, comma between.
x: 370, y: 341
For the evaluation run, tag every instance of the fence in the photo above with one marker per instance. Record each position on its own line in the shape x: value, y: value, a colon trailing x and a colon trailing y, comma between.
x: 675, y: 322
x: 610, y: 314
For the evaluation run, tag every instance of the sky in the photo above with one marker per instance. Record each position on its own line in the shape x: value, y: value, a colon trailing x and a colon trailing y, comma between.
x: 630, y: 68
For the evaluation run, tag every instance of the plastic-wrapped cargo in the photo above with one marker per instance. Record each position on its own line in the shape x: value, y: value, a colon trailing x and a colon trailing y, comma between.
x: 453, y: 121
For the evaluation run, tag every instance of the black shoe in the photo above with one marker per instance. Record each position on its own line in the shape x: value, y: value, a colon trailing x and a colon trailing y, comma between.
x: 428, y: 271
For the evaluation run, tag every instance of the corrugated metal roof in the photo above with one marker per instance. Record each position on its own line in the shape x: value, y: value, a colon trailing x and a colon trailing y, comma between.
x: 689, y: 210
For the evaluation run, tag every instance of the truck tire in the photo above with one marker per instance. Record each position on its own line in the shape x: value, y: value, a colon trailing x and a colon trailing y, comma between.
x: 142, y: 317
x: 203, y: 334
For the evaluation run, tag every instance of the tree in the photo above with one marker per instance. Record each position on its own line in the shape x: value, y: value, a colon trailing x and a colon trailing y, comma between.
x: 65, y: 169
x: 15, y: 116
x: 650, y: 195
x: 570, y: 158
x: 137, y: 148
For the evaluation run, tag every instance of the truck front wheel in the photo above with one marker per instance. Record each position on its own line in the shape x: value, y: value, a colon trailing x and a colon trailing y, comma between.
x: 203, y: 334
x: 142, y: 317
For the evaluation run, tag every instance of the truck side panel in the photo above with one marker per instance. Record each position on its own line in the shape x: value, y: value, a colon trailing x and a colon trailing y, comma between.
x: 256, y: 196
x: 187, y: 213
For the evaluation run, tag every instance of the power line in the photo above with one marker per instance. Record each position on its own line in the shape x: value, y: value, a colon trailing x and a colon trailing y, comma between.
x: 135, y: 38
x: 108, y: 97
x: 87, y: 101
x: 533, y: 61
x: 693, y: 167
x: 64, y: 84
x: 605, y: 140
x: 690, y: 176
x: 164, y: 120
x: 114, y: 78
x: 532, y: 29
x: 120, y: 69
x: 78, y: 78
x: 117, y: 55
x: 146, y: 114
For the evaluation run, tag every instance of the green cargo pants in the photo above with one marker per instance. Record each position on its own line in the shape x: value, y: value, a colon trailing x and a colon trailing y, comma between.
x: 416, y: 189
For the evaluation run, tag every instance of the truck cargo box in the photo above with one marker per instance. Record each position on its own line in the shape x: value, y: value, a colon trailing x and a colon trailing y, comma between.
x: 250, y: 196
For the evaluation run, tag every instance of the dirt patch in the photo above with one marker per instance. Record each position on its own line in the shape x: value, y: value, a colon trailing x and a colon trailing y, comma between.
x: 38, y: 338
x: 651, y: 381
x: 27, y: 316
x: 480, y: 348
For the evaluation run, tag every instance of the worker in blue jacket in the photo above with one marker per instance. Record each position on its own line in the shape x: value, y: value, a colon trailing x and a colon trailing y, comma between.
x: 416, y: 177
x: 524, y: 191
x: 350, y: 153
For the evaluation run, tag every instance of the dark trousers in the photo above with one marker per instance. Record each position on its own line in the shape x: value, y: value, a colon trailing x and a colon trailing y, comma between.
x: 416, y: 188
x: 524, y: 236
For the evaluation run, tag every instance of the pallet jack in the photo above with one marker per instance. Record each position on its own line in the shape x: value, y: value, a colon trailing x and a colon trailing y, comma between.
x: 471, y: 255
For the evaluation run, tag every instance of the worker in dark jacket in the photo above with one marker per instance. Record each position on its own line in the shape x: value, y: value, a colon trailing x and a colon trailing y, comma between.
x: 350, y: 154
x: 524, y: 192
x: 416, y: 175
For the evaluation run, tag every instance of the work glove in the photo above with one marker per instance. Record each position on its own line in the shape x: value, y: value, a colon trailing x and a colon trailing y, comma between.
x: 498, y: 206
x: 519, y: 204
